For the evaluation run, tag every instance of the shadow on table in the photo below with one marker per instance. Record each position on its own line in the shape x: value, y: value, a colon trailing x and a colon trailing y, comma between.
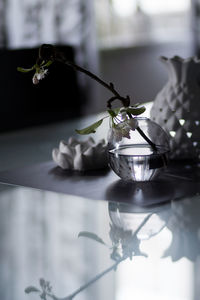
x: 63, y: 174
x: 152, y: 192
x: 177, y: 182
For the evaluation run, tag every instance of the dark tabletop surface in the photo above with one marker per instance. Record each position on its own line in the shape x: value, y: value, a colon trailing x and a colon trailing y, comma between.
x: 179, y: 180
x: 142, y: 243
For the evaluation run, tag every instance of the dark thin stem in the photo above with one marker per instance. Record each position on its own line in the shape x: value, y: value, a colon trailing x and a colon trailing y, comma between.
x: 88, y: 73
x: 50, y: 53
x: 110, y: 87
x: 83, y: 287
x: 98, y: 276
x: 113, y: 267
x: 125, y: 101
x: 147, y: 139
x: 142, y: 224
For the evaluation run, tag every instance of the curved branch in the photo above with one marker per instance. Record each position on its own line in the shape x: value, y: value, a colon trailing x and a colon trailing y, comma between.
x: 49, y: 52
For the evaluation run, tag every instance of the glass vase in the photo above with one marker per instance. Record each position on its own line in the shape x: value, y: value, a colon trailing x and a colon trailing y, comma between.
x: 132, y: 157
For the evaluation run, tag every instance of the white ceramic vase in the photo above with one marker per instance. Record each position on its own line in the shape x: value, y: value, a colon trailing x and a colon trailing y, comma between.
x: 176, y: 108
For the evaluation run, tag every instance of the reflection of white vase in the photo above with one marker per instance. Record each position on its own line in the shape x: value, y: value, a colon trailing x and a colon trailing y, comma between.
x: 177, y: 107
x: 184, y: 224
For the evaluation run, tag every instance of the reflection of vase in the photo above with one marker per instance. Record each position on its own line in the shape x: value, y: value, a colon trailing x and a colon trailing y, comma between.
x: 177, y: 107
x: 181, y: 218
x: 129, y: 218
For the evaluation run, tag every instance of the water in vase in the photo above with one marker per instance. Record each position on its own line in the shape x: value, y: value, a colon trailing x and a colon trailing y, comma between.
x: 137, y: 162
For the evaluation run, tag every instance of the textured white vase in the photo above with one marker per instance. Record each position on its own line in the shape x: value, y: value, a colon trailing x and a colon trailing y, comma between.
x: 176, y: 108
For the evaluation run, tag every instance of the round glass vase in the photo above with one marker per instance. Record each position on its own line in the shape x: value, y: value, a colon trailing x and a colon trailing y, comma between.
x: 133, y: 158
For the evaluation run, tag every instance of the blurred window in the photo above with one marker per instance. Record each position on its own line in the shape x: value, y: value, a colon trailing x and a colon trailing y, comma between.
x: 135, y: 22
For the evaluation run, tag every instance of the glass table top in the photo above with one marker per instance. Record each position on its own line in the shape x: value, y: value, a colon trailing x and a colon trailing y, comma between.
x: 92, y: 249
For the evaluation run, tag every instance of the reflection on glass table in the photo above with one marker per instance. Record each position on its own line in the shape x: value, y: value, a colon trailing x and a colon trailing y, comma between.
x: 91, y: 249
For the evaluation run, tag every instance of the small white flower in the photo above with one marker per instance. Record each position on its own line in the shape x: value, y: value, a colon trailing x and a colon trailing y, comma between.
x: 133, y: 123
x: 126, y: 131
x: 35, y: 80
x: 117, y: 134
x: 39, y: 75
x: 121, y: 130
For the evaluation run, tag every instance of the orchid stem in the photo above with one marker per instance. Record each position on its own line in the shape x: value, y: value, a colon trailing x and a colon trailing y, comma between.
x: 49, y: 53
x: 97, y: 277
x: 110, y: 87
x: 154, y: 147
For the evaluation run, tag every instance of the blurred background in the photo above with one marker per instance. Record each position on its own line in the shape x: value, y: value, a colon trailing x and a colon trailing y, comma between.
x: 121, y: 41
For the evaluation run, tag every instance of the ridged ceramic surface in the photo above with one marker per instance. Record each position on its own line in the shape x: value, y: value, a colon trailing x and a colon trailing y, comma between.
x: 176, y: 108
x: 81, y: 155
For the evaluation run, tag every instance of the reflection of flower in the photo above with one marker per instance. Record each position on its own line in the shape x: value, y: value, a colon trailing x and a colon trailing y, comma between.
x: 44, y: 290
x: 180, y: 217
x: 125, y: 243
x: 184, y: 223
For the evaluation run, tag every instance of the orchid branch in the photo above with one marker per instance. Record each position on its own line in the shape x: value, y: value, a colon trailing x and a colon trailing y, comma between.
x: 49, y: 54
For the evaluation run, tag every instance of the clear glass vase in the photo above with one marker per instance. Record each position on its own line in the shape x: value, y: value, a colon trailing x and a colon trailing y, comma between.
x: 132, y: 157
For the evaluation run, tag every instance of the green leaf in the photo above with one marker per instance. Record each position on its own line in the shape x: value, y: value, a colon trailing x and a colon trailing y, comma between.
x: 31, y: 289
x: 111, y: 113
x: 25, y: 70
x: 136, y: 110
x: 90, y: 129
x: 116, y: 110
x: 47, y: 64
x: 92, y: 236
